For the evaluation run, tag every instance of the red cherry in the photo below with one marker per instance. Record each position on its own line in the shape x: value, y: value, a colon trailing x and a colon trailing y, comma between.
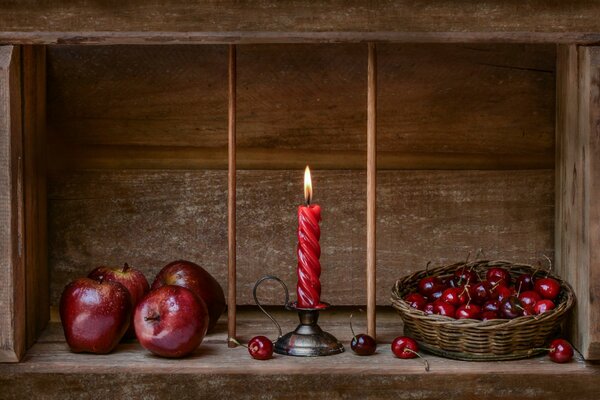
x: 405, y: 347
x: 524, y: 283
x: 428, y: 285
x: 492, y: 305
x: 548, y: 288
x: 498, y: 276
x: 442, y: 308
x: 428, y: 309
x: 487, y: 315
x: 543, y: 305
x: 363, y: 345
x: 529, y: 298
x: 468, y: 311
x: 463, y: 276
x: 501, y: 292
x: 480, y: 292
x: 528, y: 310
x: 415, y: 300
x: 561, y: 351
x: 454, y: 296
x: 260, y: 348
x: 437, y: 294
x: 511, y: 307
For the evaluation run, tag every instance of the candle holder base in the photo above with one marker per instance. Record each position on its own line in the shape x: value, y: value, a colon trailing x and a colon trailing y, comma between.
x: 308, y: 339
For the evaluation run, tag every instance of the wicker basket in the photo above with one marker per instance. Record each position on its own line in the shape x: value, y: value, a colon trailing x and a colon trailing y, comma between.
x: 468, y: 339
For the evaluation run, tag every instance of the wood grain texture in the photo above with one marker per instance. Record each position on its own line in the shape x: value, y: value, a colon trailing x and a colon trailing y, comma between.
x: 215, y: 371
x: 439, y: 106
x: 371, y: 190
x: 34, y: 168
x: 12, y: 270
x: 178, y: 21
x: 231, y: 200
x: 578, y: 189
x: 148, y: 218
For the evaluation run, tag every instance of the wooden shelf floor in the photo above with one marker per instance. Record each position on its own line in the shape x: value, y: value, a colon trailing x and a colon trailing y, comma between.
x: 50, y: 370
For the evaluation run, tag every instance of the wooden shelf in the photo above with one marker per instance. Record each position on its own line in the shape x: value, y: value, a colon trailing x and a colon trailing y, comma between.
x: 215, y: 370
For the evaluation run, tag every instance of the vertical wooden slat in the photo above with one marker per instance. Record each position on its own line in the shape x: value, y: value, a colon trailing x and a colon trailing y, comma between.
x: 231, y: 200
x: 371, y: 189
x: 578, y: 189
x: 34, y: 149
x: 12, y: 271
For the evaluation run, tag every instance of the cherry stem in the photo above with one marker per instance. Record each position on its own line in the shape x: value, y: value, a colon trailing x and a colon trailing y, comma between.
x: 125, y: 268
x: 427, y: 268
x: 519, y: 291
x: 544, y: 349
x: 152, y: 318
x: 549, y: 265
x: 234, y: 340
x: 352, y: 329
x: 420, y: 356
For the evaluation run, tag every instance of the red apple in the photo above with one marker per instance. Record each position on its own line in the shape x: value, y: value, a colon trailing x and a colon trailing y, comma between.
x: 94, y: 315
x: 133, y: 280
x: 199, y: 281
x: 171, y: 321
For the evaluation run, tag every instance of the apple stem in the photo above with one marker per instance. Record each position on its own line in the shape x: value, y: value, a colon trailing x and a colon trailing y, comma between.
x: 125, y: 268
x: 420, y: 356
x: 234, y: 340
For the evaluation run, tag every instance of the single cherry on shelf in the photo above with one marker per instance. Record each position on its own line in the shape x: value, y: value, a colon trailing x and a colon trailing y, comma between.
x: 560, y: 351
x: 405, y: 347
x: 259, y: 347
x: 362, y: 344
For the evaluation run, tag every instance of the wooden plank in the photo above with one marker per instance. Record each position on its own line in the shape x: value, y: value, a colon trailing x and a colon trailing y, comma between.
x: 578, y: 189
x: 179, y: 21
x: 12, y: 271
x: 231, y: 201
x: 148, y: 218
x: 34, y: 143
x: 215, y: 371
x: 440, y: 106
x: 371, y: 189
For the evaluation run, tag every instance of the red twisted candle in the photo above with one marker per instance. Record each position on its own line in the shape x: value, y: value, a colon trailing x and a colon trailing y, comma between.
x: 309, y: 250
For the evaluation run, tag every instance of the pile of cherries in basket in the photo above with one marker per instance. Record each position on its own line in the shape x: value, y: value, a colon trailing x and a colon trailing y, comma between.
x: 465, y: 296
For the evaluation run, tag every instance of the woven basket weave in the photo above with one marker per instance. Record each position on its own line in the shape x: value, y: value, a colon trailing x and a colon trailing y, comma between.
x: 474, y: 340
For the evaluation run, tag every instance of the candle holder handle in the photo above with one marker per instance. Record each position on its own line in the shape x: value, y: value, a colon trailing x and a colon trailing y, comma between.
x: 287, y: 298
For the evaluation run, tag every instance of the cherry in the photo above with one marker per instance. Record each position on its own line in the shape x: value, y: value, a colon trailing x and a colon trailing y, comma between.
x: 548, y: 288
x: 464, y: 276
x: 260, y: 348
x: 500, y: 292
x: 468, y: 311
x: 428, y: 285
x: 543, y: 305
x: 560, y: 351
x: 492, y: 305
x: 415, y: 300
x: 362, y: 344
x: 511, y: 307
x: 428, y: 309
x: 524, y: 282
x: 498, y: 276
x: 454, y: 296
x: 529, y: 298
x: 405, y: 347
x: 480, y: 292
x: 487, y: 315
x: 528, y: 310
x: 437, y: 294
x: 442, y: 308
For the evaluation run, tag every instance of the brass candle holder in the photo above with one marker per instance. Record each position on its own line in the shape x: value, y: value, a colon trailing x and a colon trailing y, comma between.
x: 308, y: 339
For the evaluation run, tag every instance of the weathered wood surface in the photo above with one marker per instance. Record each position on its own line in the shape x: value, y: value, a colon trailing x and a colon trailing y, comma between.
x: 34, y: 170
x: 12, y: 270
x: 371, y: 276
x: 148, y: 218
x: 439, y: 106
x: 179, y: 21
x: 578, y: 189
x: 216, y: 371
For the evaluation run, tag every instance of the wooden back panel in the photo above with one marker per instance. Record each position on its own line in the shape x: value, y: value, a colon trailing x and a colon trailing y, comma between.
x: 138, y: 158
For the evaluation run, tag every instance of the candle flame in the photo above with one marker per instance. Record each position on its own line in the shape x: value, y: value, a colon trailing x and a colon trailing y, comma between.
x: 307, y: 186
